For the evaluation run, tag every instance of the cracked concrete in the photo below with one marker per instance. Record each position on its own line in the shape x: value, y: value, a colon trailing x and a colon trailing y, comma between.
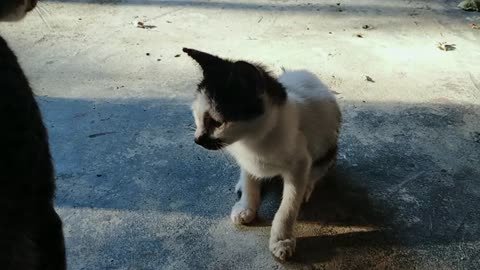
x: 136, y: 193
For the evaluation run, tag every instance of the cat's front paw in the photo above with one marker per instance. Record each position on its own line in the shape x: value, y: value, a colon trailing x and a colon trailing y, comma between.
x: 241, y: 214
x: 283, y: 249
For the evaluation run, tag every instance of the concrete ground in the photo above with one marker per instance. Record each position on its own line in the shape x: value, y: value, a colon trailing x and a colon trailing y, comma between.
x: 136, y: 193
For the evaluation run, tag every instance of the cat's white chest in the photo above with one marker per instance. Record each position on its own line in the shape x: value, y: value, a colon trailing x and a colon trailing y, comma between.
x: 253, y: 163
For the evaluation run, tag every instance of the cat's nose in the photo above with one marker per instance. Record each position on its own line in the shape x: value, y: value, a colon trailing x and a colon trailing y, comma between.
x: 200, y: 140
x: 209, y: 143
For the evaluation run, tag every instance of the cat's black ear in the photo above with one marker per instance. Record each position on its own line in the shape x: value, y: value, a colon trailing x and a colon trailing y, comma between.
x: 249, y: 76
x: 209, y: 63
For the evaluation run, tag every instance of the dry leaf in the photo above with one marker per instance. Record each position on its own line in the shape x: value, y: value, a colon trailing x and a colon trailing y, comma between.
x: 142, y: 25
x: 446, y: 47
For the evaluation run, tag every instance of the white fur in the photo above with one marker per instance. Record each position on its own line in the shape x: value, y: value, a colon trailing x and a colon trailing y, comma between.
x: 284, y: 141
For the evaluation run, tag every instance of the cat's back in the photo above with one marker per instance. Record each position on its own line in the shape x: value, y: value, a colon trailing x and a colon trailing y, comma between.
x: 320, y: 114
x: 25, y: 157
x: 304, y: 85
x: 31, y: 235
x: 315, y: 102
x: 14, y: 86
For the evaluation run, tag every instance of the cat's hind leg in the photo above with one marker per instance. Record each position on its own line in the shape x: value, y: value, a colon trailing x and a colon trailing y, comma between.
x: 319, y: 169
x: 245, y: 210
x: 317, y: 175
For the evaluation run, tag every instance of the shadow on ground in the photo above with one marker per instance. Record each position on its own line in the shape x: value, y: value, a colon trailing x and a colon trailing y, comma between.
x: 405, y: 192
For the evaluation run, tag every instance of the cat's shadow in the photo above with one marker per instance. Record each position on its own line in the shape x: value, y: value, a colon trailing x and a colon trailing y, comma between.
x: 339, y: 214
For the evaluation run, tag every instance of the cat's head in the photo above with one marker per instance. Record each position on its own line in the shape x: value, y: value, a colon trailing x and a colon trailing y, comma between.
x: 14, y: 10
x: 231, y: 100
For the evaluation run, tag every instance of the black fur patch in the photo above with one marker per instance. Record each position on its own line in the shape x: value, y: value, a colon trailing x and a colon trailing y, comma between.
x: 31, y: 235
x: 210, y: 124
x: 7, y: 7
x: 237, y: 88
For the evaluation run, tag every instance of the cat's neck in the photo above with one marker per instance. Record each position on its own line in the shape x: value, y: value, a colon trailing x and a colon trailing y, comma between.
x: 281, y: 128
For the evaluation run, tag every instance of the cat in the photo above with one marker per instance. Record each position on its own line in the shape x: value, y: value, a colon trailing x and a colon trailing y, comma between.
x: 31, y: 234
x: 14, y: 10
x: 286, y: 126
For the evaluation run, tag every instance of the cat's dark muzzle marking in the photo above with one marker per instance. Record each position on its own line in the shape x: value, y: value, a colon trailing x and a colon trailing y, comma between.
x: 209, y: 143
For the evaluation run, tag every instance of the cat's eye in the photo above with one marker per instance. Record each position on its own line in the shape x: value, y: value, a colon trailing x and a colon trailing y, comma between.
x: 216, y: 124
x: 212, y: 123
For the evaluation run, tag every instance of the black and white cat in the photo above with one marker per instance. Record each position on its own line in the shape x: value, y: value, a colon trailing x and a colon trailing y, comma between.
x: 31, y: 235
x: 286, y: 127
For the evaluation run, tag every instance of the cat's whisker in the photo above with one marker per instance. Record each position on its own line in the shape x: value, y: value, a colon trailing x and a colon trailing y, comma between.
x: 41, y: 12
x: 43, y: 19
x: 222, y: 153
x: 39, y: 8
x: 42, y: 6
x: 226, y: 155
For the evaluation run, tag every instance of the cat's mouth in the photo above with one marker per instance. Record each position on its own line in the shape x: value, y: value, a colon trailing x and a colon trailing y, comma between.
x: 217, y: 146
x: 210, y: 144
